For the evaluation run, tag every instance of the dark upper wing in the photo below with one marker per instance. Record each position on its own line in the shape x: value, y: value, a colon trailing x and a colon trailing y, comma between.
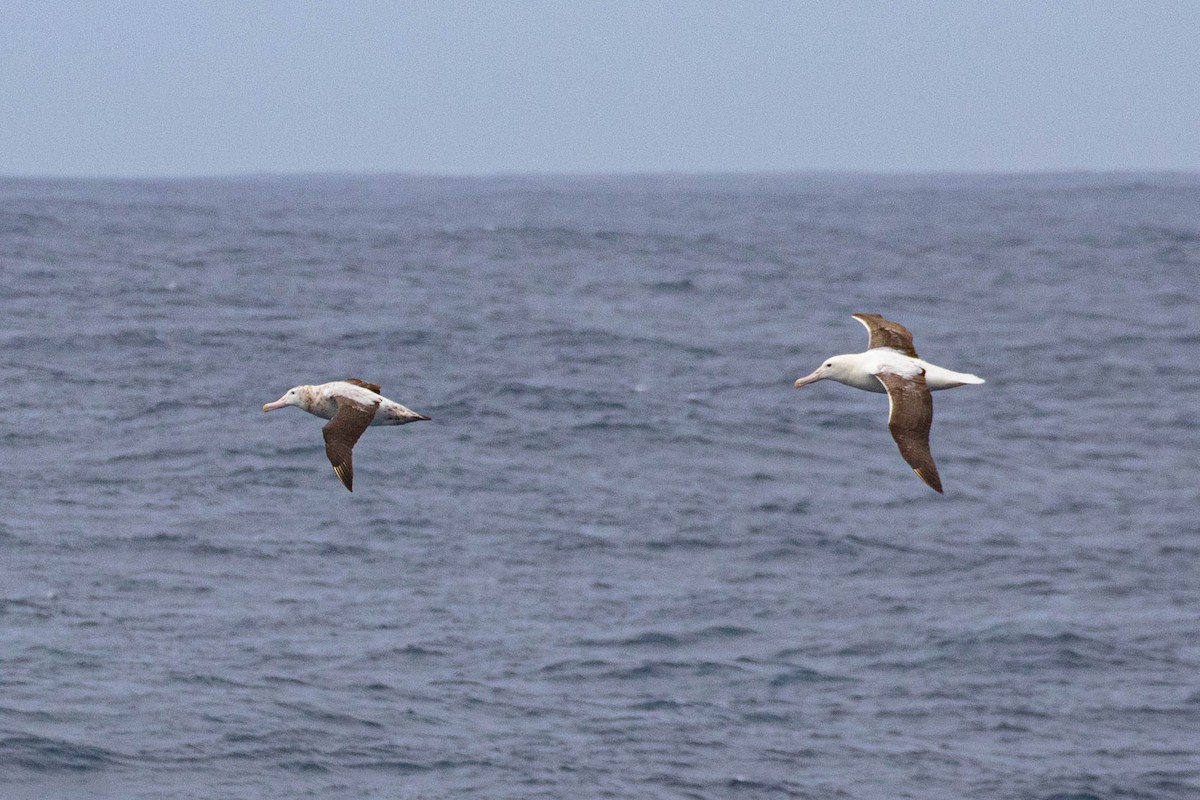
x: 342, y: 432
x: 370, y: 387
x: 885, y: 333
x: 909, y: 421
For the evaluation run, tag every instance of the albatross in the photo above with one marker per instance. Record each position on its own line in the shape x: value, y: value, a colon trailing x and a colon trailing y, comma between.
x: 351, y: 406
x: 891, y: 365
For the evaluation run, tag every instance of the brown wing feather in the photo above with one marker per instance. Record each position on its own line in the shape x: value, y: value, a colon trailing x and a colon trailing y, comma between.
x: 342, y: 432
x: 370, y: 387
x: 885, y: 333
x: 910, y: 420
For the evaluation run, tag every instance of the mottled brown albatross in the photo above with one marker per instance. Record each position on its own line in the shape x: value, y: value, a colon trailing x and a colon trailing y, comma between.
x: 351, y: 406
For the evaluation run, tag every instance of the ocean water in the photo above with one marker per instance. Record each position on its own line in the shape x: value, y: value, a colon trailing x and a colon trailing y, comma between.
x: 626, y: 558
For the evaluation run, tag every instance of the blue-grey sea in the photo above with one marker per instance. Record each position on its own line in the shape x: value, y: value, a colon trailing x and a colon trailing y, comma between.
x: 626, y: 559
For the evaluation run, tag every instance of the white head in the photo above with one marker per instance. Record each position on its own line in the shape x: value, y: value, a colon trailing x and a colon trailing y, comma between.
x: 835, y: 368
x: 296, y: 396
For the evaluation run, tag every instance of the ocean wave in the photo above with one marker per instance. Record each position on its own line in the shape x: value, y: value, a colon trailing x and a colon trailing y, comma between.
x: 49, y: 755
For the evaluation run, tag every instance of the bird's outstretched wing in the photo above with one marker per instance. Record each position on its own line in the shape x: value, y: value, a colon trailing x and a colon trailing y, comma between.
x: 885, y: 333
x: 909, y: 420
x: 342, y: 432
x: 370, y: 387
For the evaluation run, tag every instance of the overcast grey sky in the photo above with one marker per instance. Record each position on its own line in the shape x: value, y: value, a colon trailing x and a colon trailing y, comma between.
x: 155, y: 87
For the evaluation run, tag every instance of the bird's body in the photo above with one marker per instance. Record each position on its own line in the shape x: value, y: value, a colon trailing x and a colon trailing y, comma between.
x: 321, y: 401
x: 351, y: 406
x: 861, y: 368
x: 891, y: 365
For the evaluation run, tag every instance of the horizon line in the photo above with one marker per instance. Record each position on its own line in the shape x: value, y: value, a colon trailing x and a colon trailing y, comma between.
x: 552, y: 174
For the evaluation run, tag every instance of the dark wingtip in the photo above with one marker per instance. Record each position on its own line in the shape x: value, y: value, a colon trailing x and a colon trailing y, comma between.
x: 932, y: 481
x: 348, y: 482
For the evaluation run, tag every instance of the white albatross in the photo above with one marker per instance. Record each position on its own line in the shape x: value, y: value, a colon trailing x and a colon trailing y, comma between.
x: 891, y: 365
x: 351, y: 406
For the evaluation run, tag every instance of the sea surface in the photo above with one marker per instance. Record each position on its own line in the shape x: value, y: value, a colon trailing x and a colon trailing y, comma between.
x: 626, y: 558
